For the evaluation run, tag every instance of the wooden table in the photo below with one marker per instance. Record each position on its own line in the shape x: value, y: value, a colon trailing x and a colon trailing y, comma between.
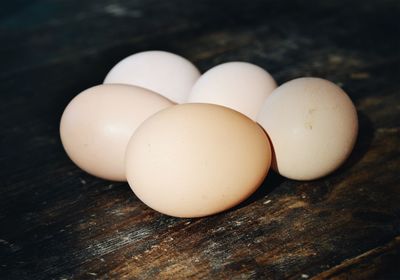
x: 57, y: 222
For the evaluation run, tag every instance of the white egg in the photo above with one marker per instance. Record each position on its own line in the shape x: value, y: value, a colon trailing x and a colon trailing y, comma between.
x: 312, y: 125
x: 166, y: 73
x: 97, y: 124
x: 240, y: 86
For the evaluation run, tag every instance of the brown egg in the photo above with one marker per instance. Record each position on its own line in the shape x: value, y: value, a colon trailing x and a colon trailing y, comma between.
x: 312, y: 125
x: 96, y: 126
x: 193, y: 160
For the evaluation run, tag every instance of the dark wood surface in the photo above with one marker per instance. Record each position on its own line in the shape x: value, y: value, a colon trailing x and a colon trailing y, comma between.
x: 56, y: 222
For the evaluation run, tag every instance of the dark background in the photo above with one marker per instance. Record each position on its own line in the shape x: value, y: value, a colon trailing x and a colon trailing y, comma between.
x: 57, y: 222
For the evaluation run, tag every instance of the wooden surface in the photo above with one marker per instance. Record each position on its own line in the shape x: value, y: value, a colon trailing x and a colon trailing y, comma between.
x: 56, y: 222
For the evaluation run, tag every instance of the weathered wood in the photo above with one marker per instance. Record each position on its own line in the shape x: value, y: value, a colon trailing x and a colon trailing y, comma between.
x: 56, y: 222
x: 380, y: 261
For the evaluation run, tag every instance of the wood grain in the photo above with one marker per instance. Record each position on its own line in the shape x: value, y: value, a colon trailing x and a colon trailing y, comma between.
x: 56, y: 222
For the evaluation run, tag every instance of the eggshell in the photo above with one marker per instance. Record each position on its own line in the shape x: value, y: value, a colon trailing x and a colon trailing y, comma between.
x: 165, y: 73
x: 312, y: 125
x: 240, y: 86
x: 97, y: 124
x: 193, y: 160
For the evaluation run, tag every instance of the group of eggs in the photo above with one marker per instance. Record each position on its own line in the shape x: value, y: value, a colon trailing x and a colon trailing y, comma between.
x: 192, y: 145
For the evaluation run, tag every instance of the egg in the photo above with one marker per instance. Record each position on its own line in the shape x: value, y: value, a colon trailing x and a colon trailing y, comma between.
x: 312, y: 125
x: 165, y: 73
x: 194, y: 160
x: 238, y: 85
x: 97, y: 124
